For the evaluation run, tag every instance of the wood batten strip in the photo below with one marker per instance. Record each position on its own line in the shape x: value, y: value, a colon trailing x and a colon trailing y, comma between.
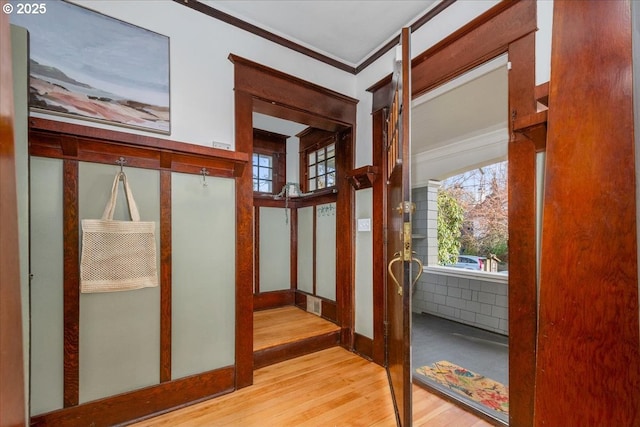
x: 71, y: 302
x: 138, y: 404
x: 165, y: 275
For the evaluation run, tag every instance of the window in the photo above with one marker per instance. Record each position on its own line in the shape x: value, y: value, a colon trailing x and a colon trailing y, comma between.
x: 269, y: 161
x: 322, y: 168
x: 262, y: 173
x: 317, y: 160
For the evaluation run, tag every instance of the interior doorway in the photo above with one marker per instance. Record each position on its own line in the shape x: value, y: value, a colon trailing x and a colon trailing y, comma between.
x: 259, y: 89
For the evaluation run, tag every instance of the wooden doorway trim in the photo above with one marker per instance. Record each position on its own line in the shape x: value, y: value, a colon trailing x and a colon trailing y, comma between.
x: 12, y: 392
x: 509, y: 28
x: 268, y: 91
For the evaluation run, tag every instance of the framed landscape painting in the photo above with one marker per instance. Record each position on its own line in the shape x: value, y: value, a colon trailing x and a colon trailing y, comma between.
x: 87, y: 65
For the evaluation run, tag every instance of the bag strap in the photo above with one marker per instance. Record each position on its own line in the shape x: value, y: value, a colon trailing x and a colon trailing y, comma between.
x: 111, y: 204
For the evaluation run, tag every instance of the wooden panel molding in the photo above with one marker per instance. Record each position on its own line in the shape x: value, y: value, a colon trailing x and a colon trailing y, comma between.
x: 72, y: 144
x: 49, y: 138
x: 142, y: 403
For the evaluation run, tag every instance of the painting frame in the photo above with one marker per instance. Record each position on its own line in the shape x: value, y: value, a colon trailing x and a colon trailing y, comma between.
x: 86, y: 65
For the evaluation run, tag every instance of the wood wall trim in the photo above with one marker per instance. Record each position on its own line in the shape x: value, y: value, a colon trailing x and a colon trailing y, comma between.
x: 286, y: 90
x: 588, y: 365
x: 482, y: 39
x: 12, y: 389
x: 49, y: 138
x: 165, y: 275
x: 244, y: 244
x: 275, y: 299
x: 142, y: 403
x: 253, y: 29
x: 363, y: 346
x: 379, y: 218
x: 522, y: 220
x: 71, y: 302
x: 329, y: 308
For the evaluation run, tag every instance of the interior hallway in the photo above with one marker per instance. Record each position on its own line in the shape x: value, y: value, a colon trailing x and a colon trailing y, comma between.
x: 332, y: 387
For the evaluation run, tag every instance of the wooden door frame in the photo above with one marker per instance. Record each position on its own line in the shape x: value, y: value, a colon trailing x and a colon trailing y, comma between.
x: 509, y: 27
x: 12, y: 387
x: 269, y: 91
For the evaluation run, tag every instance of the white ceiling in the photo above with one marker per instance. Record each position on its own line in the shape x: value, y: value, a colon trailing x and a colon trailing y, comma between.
x: 346, y: 30
x: 457, y: 126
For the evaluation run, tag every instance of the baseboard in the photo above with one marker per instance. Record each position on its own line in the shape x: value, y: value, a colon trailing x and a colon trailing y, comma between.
x: 275, y: 299
x: 142, y: 403
x: 363, y: 346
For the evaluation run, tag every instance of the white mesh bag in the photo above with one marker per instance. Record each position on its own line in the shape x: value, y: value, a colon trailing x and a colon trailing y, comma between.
x: 118, y: 255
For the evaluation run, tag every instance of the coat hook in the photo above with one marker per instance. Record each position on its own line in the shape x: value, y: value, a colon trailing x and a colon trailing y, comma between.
x: 121, y: 161
x: 204, y: 172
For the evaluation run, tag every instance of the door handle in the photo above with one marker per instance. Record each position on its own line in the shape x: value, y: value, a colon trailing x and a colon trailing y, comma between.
x: 397, y: 257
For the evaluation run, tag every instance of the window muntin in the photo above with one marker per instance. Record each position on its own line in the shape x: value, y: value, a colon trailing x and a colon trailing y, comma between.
x: 262, y: 173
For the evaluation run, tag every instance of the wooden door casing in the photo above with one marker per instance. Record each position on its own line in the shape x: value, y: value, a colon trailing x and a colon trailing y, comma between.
x: 12, y: 397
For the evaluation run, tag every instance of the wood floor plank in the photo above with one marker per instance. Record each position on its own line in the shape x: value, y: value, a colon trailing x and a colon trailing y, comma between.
x: 285, y: 325
x: 331, y: 387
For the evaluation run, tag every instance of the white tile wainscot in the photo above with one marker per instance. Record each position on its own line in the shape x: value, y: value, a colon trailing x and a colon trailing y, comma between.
x: 469, y: 297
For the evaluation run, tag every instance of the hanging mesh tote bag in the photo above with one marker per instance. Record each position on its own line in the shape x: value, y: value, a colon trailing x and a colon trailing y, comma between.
x: 118, y: 255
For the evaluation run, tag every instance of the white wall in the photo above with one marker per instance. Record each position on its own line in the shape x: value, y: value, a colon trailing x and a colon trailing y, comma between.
x: 202, y: 109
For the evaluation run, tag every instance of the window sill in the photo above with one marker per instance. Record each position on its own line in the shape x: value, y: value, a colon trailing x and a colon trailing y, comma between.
x: 468, y: 274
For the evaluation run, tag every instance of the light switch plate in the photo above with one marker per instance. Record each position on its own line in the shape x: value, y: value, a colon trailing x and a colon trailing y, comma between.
x: 364, y: 224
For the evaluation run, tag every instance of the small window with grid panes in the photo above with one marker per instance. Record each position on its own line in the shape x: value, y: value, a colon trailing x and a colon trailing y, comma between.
x: 262, y: 173
x: 321, y: 168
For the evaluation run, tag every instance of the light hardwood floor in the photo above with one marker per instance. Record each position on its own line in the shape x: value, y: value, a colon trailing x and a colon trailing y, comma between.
x: 332, y: 387
x: 285, y: 325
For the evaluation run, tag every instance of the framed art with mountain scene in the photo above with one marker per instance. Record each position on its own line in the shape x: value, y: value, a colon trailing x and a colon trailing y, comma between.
x: 90, y: 66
